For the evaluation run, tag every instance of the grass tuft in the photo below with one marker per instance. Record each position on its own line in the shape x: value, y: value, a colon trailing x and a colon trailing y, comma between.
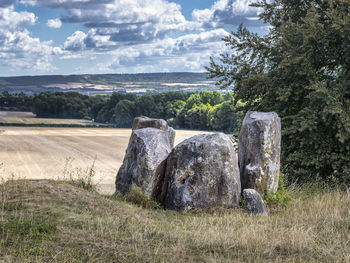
x: 137, y: 197
x: 282, y: 197
x: 79, y: 177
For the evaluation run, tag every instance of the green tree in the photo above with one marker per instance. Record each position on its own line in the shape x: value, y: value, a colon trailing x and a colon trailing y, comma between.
x: 124, y: 113
x: 198, y: 117
x: 211, y: 97
x: 194, y: 99
x: 301, y: 70
x: 147, y: 106
x: 222, y: 118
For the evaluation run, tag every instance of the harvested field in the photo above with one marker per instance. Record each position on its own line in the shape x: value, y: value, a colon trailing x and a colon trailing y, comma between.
x: 16, y: 117
x: 46, y: 153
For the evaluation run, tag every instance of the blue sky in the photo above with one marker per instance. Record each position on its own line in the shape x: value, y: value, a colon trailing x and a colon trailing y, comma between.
x: 40, y: 37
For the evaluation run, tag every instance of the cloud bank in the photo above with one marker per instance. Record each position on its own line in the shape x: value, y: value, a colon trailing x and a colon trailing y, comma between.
x: 18, y: 49
x: 152, y: 35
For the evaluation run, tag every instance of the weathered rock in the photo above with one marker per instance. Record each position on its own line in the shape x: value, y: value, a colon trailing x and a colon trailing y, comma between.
x: 145, y: 122
x: 254, y: 202
x: 144, y: 162
x: 259, y: 151
x: 202, y: 172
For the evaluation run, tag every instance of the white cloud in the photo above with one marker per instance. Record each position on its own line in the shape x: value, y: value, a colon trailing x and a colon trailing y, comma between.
x: 76, y: 42
x: 54, y: 23
x: 114, y: 23
x: 138, y: 35
x: 80, y: 41
x: 11, y: 20
x: 185, y: 53
x: 228, y: 13
x: 124, y: 21
x: 18, y: 49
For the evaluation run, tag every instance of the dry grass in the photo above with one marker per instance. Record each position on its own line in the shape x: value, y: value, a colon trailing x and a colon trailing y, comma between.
x: 47, y: 221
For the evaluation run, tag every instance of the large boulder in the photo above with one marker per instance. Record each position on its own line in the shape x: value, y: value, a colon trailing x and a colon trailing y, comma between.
x: 202, y: 172
x: 259, y: 151
x: 144, y: 162
x: 255, y: 204
x: 145, y: 122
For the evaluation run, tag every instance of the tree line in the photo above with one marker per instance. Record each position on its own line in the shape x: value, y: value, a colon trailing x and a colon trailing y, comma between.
x: 15, y: 102
x: 205, y: 110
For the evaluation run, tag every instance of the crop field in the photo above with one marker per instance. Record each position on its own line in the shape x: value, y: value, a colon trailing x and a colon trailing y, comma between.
x: 55, y: 153
x: 15, y: 117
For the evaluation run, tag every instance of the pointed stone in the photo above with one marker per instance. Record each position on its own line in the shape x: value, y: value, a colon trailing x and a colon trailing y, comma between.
x: 144, y: 162
x: 259, y: 151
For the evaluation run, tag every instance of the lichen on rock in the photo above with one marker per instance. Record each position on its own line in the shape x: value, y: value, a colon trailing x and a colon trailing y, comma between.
x: 202, y: 172
x: 144, y: 162
x: 259, y: 151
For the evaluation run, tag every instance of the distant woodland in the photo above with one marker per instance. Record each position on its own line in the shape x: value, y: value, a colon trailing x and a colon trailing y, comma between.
x: 93, y: 84
x: 206, y: 110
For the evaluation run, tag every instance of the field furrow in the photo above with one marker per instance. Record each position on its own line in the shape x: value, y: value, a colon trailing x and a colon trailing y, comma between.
x: 44, y: 153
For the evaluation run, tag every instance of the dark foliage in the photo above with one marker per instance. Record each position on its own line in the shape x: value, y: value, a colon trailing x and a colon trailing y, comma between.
x: 301, y: 70
x: 15, y: 102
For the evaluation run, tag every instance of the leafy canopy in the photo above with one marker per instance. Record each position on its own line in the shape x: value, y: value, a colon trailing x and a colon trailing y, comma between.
x: 301, y: 70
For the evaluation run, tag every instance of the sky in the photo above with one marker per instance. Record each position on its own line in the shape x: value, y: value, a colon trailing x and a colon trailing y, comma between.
x: 41, y: 37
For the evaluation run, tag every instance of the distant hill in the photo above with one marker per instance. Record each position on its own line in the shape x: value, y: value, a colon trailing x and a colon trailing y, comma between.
x: 108, y: 83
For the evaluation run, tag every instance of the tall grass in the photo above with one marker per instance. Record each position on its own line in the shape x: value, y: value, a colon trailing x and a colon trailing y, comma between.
x: 48, y: 221
x: 79, y: 177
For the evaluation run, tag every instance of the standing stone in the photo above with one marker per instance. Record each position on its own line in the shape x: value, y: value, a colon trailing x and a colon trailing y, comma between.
x: 202, y: 172
x: 144, y: 162
x: 259, y: 151
x: 254, y: 202
x: 145, y: 122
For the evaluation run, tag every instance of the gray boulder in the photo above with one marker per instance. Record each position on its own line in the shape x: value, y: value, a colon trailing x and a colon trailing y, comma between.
x: 254, y: 202
x: 144, y: 162
x: 145, y: 122
x: 259, y: 151
x: 202, y: 172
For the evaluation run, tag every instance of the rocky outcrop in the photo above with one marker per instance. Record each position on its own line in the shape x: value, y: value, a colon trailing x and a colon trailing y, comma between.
x: 144, y: 162
x: 145, y: 122
x: 254, y: 202
x: 202, y: 172
x: 259, y: 151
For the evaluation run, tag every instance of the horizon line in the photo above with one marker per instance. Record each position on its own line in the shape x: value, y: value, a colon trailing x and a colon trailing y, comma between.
x: 101, y: 74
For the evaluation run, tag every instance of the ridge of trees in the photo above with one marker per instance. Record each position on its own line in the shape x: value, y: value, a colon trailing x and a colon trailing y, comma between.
x: 206, y: 110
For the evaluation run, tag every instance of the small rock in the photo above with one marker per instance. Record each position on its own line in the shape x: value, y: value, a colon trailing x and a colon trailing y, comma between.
x: 144, y: 162
x: 202, y: 172
x: 145, y: 122
x: 259, y: 151
x: 254, y: 202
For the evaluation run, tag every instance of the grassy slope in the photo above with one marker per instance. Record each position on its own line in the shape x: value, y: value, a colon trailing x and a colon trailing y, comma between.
x: 48, y: 221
